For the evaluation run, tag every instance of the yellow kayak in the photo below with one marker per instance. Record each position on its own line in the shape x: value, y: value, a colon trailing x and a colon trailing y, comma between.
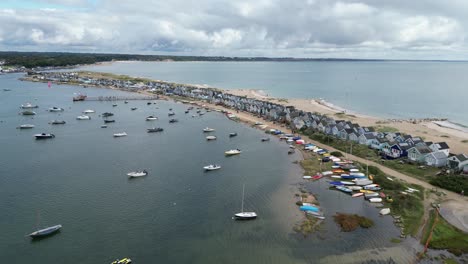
x: 366, y: 191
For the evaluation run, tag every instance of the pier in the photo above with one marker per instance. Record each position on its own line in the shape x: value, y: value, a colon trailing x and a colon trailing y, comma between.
x: 116, y: 98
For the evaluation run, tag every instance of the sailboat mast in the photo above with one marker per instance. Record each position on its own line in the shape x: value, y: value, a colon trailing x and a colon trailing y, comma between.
x: 242, y: 207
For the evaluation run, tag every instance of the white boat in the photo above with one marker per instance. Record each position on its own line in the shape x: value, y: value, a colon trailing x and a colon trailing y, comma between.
x: 353, y: 170
x: 326, y: 173
x: 151, y: 118
x: 348, y: 183
x: 44, y: 136
x: 212, y: 167
x: 306, y: 177
x: 136, y: 174
x: 336, y: 176
x: 244, y: 215
x: 88, y: 111
x: 375, y: 200
x: 83, y: 117
x: 355, y: 188
x: 56, y: 109
x: 385, y: 211
x: 363, y: 182
x: 26, y: 126
x: 122, y: 134
x: 210, y: 137
x: 207, y: 129
x: 233, y: 152
x: 28, y: 106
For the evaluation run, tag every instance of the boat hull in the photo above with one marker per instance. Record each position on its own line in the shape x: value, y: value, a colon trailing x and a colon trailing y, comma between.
x: 45, y: 232
x: 245, y: 216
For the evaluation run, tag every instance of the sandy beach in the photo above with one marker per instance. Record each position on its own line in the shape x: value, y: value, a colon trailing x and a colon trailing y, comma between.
x: 428, y: 130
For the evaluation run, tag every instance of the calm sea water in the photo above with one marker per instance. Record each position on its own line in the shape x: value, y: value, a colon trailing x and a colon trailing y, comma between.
x: 177, y: 214
x: 384, y: 89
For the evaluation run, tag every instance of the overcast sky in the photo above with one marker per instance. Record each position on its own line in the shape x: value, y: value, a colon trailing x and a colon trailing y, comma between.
x: 392, y: 29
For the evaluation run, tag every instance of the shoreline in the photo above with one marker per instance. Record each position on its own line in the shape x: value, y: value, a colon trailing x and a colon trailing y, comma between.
x: 250, y: 119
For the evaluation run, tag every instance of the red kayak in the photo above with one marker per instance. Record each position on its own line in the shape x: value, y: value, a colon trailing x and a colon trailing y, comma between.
x: 316, y: 177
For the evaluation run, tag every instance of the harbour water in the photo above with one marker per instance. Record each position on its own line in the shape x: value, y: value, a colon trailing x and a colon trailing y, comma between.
x: 388, y: 89
x: 178, y: 213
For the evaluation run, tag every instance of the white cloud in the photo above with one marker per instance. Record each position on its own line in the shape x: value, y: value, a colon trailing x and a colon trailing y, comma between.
x: 312, y: 28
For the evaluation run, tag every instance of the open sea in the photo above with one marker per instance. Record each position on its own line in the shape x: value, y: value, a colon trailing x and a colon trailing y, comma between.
x: 178, y: 213
x: 387, y: 89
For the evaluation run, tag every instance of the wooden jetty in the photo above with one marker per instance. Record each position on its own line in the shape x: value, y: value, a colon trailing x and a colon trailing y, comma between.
x: 116, y: 98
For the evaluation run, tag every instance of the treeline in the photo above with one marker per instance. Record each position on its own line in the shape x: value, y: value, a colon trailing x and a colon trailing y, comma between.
x: 60, y: 59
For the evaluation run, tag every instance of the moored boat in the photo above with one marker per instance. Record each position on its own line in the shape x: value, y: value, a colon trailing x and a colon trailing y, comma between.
x: 244, y: 215
x: 28, y: 106
x: 26, y: 126
x: 45, y: 231
x: 106, y: 114
x: 233, y: 152
x: 136, y: 174
x: 109, y: 121
x: 232, y: 134
x: 307, y: 177
x: 211, y: 138
x: 309, y: 208
x: 265, y: 139
x: 207, y: 129
x: 122, y: 134
x: 133, y: 108
x: 27, y: 112
x: 44, y: 136
x: 83, y: 117
x: 154, y: 129
x: 122, y: 261
x: 173, y: 121
x: 88, y: 111
x: 357, y: 194
x: 56, y: 109
x: 58, y: 122
x: 212, y: 167
x: 80, y: 97
x: 151, y: 118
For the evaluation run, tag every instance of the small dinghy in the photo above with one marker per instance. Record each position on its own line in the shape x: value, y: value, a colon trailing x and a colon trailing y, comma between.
x: 307, y: 177
x: 55, y: 109
x: 357, y: 194
x: 123, y: 134
x: 151, y: 118
x: 211, y: 138
x: 136, y: 174
x: 212, y: 167
x: 207, y: 129
x: 28, y: 113
x: 104, y: 126
x: 265, y: 139
x: 83, y: 117
x: 385, y: 211
x: 109, y: 121
x: 375, y: 200
x: 173, y: 121
x: 58, y: 122
x: 232, y: 134
x: 170, y: 114
x: 133, y: 108
x: 343, y: 189
x: 114, y: 105
x: 233, y: 152
x: 26, y: 126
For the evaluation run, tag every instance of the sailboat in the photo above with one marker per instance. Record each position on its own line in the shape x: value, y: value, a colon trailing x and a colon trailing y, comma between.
x: 244, y: 215
x: 45, y: 231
